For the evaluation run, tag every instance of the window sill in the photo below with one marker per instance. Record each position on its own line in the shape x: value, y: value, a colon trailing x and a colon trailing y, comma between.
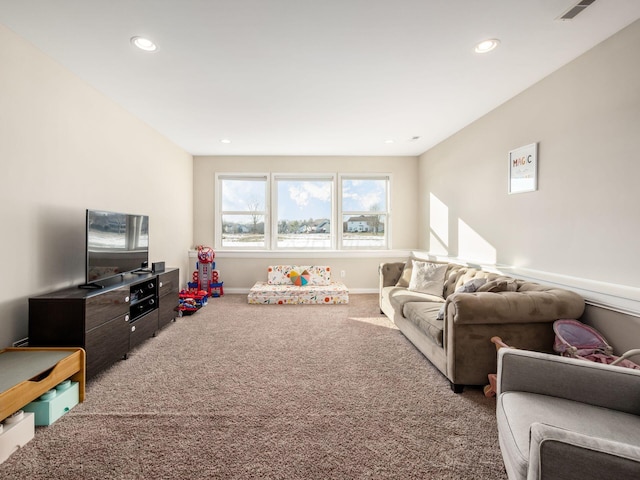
x: 307, y: 253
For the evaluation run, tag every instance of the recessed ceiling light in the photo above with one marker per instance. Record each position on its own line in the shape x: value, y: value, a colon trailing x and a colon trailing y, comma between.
x: 144, y: 44
x: 487, y: 45
x: 225, y: 140
x: 389, y: 141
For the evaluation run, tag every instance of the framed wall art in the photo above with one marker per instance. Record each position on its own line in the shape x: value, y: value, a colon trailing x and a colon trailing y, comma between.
x: 523, y: 169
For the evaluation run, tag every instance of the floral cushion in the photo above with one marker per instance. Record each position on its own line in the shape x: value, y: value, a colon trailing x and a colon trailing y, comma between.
x: 286, y: 285
x: 281, y: 274
x: 263, y: 293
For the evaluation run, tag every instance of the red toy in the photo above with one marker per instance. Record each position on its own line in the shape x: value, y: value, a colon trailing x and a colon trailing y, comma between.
x: 191, y: 300
x: 206, y: 276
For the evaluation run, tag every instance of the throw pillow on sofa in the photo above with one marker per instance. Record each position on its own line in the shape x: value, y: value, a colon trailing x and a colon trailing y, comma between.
x: 405, y: 276
x: 427, y: 277
x: 469, y: 287
x: 498, y: 285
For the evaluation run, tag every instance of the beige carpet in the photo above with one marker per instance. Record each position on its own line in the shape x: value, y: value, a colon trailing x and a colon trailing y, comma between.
x: 243, y: 391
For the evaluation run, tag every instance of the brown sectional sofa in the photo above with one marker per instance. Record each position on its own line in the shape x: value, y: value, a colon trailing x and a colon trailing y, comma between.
x: 459, y: 345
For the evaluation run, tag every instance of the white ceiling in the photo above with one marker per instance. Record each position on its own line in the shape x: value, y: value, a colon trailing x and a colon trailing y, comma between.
x: 312, y: 77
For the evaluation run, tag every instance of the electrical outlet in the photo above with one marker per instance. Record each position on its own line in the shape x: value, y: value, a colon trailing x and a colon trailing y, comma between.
x: 343, y: 273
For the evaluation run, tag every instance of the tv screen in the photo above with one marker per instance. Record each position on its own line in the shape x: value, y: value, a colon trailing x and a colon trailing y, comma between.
x: 117, y: 243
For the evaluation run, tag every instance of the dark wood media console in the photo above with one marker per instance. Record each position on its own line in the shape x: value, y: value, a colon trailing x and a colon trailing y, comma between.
x: 106, y: 322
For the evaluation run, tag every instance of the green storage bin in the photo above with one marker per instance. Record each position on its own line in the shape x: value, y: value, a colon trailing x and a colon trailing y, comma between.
x: 54, y: 403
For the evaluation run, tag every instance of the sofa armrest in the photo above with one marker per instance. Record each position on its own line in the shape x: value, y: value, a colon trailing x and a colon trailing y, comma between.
x: 555, y: 453
x: 389, y: 273
x: 606, y: 386
x: 514, y: 307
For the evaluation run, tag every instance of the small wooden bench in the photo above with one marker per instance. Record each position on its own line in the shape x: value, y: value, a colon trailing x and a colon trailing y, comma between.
x: 26, y: 373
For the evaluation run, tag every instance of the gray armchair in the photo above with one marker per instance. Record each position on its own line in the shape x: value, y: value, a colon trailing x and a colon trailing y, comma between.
x: 564, y: 418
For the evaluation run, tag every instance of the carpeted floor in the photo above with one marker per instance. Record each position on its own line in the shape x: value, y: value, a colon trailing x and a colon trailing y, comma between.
x: 241, y: 391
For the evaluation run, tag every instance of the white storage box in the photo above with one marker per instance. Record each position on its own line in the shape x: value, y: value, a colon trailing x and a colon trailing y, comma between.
x: 17, y: 430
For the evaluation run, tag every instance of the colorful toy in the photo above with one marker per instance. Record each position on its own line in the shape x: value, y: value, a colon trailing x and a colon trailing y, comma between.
x: 205, y: 283
x: 191, y: 300
x: 206, y: 276
x: 216, y: 289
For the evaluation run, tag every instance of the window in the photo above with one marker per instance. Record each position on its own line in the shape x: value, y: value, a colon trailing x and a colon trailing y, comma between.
x: 243, y: 211
x: 302, y: 211
x: 365, y: 213
x: 304, y: 208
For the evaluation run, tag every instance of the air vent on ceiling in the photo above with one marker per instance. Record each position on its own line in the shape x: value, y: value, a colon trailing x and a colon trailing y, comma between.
x: 575, y: 10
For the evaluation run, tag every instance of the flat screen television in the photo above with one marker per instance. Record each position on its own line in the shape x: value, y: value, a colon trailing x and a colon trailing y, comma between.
x: 117, y: 243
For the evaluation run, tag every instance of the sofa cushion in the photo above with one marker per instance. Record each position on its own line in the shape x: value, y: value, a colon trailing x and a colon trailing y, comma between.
x: 424, y: 316
x: 398, y: 296
x: 427, y: 277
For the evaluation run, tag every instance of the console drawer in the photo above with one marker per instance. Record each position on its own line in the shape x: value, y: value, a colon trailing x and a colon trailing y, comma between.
x: 102, y: 308
x: 168, y: 282
x: 107, y: 344
x: 143, y: 328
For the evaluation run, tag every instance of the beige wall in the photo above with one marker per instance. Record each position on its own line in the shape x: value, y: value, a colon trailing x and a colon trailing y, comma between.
x: 63, y: 148
x: 580, y: 228
x: 584, y: 220
x: 240, y: 271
